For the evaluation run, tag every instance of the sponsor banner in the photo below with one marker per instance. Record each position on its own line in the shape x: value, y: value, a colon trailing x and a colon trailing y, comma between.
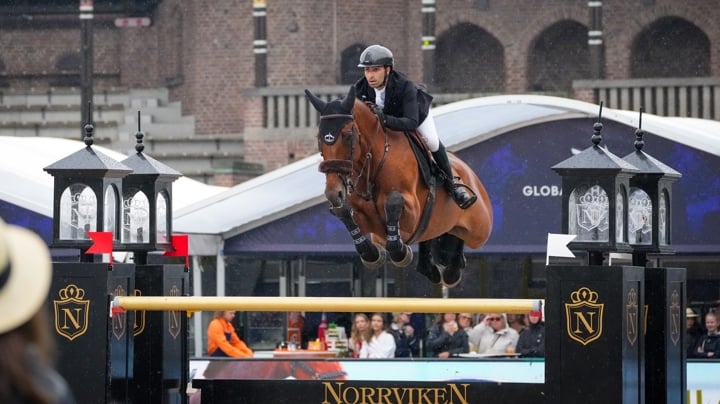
x: 357, y: 392
x: 445, y: 375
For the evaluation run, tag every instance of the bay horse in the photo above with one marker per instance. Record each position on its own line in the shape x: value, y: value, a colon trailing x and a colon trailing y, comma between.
x: 376, y: 187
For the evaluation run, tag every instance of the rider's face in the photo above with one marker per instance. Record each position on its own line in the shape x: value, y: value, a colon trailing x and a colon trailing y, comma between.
x: 375, y: 76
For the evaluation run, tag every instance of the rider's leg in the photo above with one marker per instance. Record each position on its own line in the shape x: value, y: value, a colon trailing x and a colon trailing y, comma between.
x: 461, y: 196
x: 428, y: 132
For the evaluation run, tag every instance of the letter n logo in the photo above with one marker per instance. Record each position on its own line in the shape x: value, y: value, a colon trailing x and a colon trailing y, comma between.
x: 675, y: 319
x: 584, y: 316
x: 71, y: 312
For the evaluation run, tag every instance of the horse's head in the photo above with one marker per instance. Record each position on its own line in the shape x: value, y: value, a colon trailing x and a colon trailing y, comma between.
x: 337, y: 141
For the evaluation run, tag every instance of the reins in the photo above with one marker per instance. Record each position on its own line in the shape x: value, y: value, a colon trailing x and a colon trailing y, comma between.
x: 366, y: 167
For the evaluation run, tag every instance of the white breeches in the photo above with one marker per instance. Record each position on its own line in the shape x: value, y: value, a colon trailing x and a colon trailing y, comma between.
x: 428, y: 133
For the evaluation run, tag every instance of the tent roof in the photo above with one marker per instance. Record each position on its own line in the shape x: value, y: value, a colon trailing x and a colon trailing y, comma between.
x: 461, y: 124
x: 26, y: 185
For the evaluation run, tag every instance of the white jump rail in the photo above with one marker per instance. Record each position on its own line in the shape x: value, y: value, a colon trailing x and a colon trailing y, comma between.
x: 317, y: 304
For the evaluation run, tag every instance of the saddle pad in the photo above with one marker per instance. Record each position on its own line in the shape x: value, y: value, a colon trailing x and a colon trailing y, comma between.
x: 422, y: 155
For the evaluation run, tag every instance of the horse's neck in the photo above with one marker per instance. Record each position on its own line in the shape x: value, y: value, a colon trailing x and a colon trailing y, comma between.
x: 370, y: 129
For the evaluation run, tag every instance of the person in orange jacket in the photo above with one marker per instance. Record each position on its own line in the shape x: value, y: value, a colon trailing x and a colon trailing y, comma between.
x: 222, y: 338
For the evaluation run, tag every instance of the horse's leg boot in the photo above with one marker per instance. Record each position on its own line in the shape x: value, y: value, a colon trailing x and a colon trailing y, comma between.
x: 370, y: 254
x: 400, y: 253
x: 458, y: 192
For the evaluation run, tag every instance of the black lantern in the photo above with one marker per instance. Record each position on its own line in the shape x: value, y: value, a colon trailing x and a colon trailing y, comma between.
x: 146, y: 203
x: 595, y: 186
x: 86, y: 195
x: 649, y: 202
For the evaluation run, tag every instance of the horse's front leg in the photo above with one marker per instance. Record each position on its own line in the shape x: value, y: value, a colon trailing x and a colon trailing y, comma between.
x: 400, y: 253
x: 372, y: 255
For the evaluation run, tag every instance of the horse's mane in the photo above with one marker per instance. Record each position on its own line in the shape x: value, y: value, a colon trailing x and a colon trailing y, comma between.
x: 363, y: 112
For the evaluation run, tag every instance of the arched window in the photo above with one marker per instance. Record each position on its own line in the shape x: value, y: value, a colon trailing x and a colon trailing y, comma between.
x: 558, y: 56
x: 68, y: 69
x: 349, y: 58
x: 670, y: 47
x: 468, y: 59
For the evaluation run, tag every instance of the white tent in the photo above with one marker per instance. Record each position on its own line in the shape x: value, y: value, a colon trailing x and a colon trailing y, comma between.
x: 27, y: 185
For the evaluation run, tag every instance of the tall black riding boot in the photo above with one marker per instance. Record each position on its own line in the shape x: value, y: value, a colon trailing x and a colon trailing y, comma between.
x: 458, y: 192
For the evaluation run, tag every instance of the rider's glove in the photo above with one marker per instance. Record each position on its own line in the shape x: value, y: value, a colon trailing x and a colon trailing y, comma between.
x: 379, y: 112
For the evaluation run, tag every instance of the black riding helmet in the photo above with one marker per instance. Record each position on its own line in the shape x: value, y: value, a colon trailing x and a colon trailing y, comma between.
x: 376, y: 55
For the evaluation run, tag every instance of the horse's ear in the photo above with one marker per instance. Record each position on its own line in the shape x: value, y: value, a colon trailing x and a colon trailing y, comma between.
x: 349, y: 100
x: 315, y: 101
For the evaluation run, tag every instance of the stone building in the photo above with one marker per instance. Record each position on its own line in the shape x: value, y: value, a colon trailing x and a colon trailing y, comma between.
x: 219, y: 83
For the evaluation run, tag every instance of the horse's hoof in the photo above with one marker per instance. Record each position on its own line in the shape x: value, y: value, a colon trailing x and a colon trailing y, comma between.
x: 432, y: 273
x: 379, y: 262
x: 406, y: 260
x: 452, y: 276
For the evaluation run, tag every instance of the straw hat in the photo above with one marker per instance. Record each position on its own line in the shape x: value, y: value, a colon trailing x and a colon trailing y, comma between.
x: 25, y: 274
x: 690, y: 312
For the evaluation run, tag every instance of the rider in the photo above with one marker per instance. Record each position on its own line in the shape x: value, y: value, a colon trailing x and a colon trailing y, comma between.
x: 401, y: 105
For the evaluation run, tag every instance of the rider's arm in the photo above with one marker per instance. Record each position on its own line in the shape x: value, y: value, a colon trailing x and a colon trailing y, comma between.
x: 404, y: 102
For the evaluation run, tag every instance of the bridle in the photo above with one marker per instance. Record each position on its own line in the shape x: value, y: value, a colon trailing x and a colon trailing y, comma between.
x: 344, y: 168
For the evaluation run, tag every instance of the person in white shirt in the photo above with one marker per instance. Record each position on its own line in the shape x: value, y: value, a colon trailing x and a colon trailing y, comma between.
x: 493, y: 335
x: 381, y: 343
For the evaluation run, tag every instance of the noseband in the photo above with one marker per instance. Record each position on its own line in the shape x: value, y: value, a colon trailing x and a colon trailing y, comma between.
x: 344, y: 168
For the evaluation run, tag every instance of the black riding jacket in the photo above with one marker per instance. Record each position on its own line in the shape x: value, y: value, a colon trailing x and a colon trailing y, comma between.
x: 531, y: 342
x: 709, y: 345
x: 406, y: 106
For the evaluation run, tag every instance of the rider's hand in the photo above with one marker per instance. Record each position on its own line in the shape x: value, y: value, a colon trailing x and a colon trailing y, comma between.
x: 379, y: 112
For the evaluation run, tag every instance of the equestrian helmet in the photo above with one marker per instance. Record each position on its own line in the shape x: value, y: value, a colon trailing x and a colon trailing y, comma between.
x: 376, y: 55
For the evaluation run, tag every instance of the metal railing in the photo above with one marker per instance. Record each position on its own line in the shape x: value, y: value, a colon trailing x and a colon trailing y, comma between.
x: 286, y: 109
x: 697, y: 97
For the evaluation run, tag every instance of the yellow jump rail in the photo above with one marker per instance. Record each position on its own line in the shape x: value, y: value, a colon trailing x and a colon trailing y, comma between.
x: 317, y: 304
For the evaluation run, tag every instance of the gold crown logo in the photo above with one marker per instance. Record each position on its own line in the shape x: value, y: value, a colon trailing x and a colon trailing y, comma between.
x: 71, y: 292
x: 584, y: 295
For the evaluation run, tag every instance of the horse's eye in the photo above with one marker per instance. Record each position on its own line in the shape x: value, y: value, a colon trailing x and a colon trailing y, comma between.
x: 348, y: 137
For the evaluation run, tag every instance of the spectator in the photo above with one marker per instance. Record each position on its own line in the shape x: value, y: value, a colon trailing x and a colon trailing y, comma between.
x: 465, y: 321
x: 446, y: 338
x: 493, y: 336
x: 381, y: 343
x: 26, y: 342
x: 531, y: 342
x: 708, y: 345
x: 407, y: 344
x: 359, y: 335
x: 693, y: 330
x: 223, y: 341
x: 516, y: 322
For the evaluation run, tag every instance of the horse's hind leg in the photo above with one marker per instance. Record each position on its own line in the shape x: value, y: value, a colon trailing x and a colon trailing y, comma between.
x: 450, y: 254
x: 400, y: 253
x: 426, y: 264
x: 372, y: 255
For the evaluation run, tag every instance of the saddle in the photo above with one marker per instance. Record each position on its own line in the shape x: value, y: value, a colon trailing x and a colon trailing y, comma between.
x: 426, y: 165
x: 430, y: 175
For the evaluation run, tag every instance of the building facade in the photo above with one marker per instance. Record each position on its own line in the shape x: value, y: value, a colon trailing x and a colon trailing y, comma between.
x: 239, y: 67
